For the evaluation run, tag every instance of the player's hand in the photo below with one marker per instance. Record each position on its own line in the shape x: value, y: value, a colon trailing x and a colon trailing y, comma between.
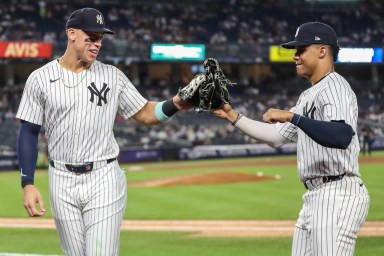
x: 32, y: 197
x: 277, y: 115
x: 182, y: 104
x: 188, y: 96
x: 226, y: 112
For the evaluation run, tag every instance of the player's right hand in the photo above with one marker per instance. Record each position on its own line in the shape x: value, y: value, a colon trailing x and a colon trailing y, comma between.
x: 32, y: 197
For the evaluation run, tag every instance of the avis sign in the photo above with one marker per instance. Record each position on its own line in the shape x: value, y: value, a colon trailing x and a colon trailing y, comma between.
x: 21, y: 49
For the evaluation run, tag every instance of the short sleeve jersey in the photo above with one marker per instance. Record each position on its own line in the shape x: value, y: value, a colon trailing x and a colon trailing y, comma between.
x: 332, y: 98
x: 78, y: 110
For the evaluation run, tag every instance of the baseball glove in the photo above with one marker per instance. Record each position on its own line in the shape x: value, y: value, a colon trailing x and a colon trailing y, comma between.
x: 208, y: 91
x: 190, y: 92
x: 214, y: 92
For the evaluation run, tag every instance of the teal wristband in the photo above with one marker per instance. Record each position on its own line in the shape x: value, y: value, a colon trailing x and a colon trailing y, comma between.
x: 298, y: 120
x: 159, y: 112
x: 295, y: 119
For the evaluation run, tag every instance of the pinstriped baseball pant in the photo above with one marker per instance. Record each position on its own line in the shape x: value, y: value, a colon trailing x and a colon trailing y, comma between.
x: 88, y: 209
x: 330, y: 218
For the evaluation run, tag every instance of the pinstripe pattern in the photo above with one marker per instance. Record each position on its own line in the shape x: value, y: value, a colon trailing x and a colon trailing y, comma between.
x: 77, y: 130
x: 333, y: 99
x: 331, y: 216
x: 88, y: 209
x: 333, y: 212
x: 78, y: 112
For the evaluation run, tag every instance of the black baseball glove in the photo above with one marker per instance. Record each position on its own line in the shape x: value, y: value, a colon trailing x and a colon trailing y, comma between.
x: 190, y: 93
x: 209, y: 91
x: 214, y: 92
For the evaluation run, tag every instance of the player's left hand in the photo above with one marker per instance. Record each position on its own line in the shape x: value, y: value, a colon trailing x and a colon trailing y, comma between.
x: 182, y: 104
x: 188, y: 96
x: 277, y: 115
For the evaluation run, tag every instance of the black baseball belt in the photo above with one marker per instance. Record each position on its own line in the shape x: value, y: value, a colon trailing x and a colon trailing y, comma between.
x: 315, y: 182
x: 82, y: 168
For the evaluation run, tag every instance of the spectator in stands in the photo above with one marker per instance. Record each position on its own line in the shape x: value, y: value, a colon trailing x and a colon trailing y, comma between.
x: 367, y: 135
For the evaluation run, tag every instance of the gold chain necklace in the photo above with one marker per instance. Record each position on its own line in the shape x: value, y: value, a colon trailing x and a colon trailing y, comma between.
x: 62, y: 77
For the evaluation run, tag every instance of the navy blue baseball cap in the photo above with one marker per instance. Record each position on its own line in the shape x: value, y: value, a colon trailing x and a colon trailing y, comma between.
x: 313, y: 33
x: 89, y: 20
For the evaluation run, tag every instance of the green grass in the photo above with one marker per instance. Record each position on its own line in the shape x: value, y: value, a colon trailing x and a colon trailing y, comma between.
x: 276, y: 199
x: 224, y: 201
x: 45, y: 241
x: 39, y: 241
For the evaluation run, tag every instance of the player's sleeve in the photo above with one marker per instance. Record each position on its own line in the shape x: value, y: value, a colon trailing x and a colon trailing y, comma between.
x: 337, y: 102
x: 130, y: 99
x: 261, y: 131
x: 337, y: 105
x: 288, y: 130
x: 31, y: 107
x: 27, y: 151
x: 334, y: 134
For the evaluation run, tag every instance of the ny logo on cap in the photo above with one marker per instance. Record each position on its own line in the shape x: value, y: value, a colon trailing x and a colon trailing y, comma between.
x: 99, y: 19
x: 297, y: 31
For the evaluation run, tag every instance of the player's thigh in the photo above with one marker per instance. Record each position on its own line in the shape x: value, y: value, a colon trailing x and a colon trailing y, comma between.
x: 301, y: 244
x: 66, y: 211
x: 353, y: 209
x: 339, y: 210
x: 104, y: 211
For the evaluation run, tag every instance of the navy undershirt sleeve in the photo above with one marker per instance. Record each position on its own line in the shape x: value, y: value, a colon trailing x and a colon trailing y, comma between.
x: 334, y: 134
x: 27, y: 151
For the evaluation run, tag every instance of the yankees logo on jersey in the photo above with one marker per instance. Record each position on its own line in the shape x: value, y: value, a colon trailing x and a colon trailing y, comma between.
x: 102, y: 94
x: 95, y: 98
x: 324, y: 96
x: 309, y: 111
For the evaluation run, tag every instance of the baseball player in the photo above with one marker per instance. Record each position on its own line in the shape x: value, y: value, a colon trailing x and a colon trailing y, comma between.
x: 76, y: 98
x: 323, y: 123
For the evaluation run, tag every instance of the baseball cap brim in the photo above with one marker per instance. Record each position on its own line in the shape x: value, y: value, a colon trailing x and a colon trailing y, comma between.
x: 104, y: 30
x: 294, y: 44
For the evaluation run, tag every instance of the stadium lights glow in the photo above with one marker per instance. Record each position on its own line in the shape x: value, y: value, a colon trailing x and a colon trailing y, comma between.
x: 177, y: 52
x: 346, y: 55
x: 361, y: 55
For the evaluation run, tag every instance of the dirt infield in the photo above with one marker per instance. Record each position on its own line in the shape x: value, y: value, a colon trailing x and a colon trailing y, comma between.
x: 210, y: 228
x: 203, y: 178
x: 210, y: 177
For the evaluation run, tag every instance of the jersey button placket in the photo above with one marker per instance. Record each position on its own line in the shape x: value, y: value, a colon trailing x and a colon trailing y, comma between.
x: 77, y: 126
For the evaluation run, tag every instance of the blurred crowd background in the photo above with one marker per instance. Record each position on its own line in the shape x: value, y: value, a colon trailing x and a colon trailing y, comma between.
x: 231, y: 24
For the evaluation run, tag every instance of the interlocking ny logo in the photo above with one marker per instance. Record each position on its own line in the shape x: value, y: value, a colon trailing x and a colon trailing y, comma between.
x: 99, y: 19
x: 309, y: 111
x: 101, y: 94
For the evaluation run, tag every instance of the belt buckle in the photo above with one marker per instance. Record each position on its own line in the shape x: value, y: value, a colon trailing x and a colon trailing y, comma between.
x: 85, y: 168
x: 75, y: 168
x: 80, y: 169
x: 325, y: 179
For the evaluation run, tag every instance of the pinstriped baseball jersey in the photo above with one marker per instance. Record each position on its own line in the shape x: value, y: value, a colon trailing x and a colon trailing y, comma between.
x: 330, y: 99
x: 78, y: 110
